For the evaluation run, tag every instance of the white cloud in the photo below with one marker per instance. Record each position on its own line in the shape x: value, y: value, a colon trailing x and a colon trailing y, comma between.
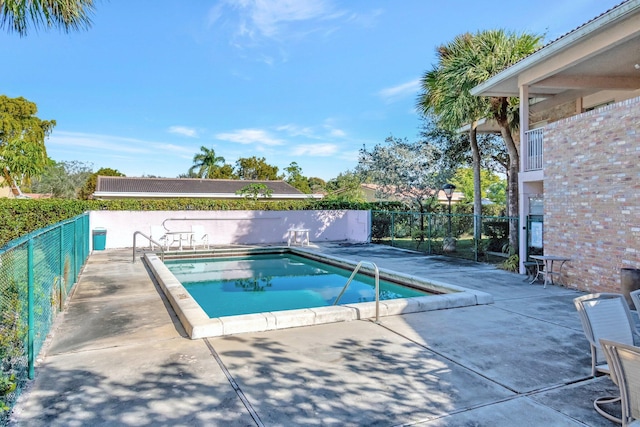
x: 97, y: 142
x: 295, y: 130
x: 182, y: 152
x: 403, y: 90
x: 315, y: 150
x: 367, y: 19
x: 250, y: 136
x: 263, y: 30
x: 337, y: 133
x: 183, y: 130
x: 254, y: 21
x: 317, y: 132
x: 267, y: 17
x: 110, y: 143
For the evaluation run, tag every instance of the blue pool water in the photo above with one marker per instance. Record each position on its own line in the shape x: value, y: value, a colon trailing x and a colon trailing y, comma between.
x: 273, y: 282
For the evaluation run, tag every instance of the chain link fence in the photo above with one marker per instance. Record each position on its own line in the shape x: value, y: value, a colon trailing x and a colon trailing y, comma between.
x: 37, y: 272
x: 444, y: 234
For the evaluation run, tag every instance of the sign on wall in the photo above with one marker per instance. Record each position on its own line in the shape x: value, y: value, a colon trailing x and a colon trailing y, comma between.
x: 536, y: 235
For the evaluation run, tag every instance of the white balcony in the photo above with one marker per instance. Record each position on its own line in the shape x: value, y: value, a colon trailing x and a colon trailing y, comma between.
x: 533, y: 145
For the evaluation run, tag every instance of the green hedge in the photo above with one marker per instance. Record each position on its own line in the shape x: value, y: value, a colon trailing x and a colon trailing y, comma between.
x: 20, y: 217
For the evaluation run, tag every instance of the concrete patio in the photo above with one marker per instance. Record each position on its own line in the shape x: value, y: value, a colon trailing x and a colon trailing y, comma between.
x: 119, y: 356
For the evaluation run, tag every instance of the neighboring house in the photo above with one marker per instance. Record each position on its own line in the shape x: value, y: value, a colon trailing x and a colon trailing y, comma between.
x: 13, y: 192
x: 5, y: 190
x: 120, y: 187
x: 580, y: 146
x: 10, y: 191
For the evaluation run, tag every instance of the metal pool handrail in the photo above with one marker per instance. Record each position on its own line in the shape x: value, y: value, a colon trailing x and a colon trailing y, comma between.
x: 377, y: 281
x: 151, y: 240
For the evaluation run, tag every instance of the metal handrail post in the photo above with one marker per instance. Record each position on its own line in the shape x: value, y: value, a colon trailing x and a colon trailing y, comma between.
x: 151, y: 240
x: 377, y: 284
x: 393, y: 231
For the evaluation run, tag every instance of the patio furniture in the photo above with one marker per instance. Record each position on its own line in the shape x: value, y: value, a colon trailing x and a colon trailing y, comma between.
x: 298, y: 235
x: 545, y: 265
x: 635, y: 297
x: 605, y: 315
x: 199, y: 237
x: 158, y: 233
x: 531, y: 270
x: 624, y: 363
x: 179, y: 238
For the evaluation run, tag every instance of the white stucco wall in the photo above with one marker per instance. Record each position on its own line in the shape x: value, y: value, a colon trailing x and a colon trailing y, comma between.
x: 234, y: 227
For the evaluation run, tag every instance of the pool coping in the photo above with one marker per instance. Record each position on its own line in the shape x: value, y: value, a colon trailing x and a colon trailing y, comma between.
x: 198, y: 324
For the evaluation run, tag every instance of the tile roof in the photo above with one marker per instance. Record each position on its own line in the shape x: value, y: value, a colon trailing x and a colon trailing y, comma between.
x: 184, y: 186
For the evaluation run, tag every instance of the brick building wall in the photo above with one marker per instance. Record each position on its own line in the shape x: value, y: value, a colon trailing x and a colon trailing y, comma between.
x: 592, y: 194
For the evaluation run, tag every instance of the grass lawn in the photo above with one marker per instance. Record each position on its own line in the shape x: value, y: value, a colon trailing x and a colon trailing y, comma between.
x: 464, y: 248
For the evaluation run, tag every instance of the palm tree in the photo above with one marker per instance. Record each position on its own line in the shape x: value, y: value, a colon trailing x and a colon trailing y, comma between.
x: 446, y: 95
x: 463, y: 64
x: 19, y: 15
x: 207, y: 164
x: 499, y: 50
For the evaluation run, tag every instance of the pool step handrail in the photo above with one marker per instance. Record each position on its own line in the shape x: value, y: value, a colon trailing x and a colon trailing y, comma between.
x: 151, y: 240
x: 377, y: 281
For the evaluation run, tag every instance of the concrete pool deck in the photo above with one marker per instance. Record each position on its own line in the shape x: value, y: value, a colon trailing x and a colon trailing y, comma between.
x: 119, y: 356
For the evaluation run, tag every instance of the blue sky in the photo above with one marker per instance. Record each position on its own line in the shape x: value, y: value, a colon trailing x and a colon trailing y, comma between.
x: 308, y: 81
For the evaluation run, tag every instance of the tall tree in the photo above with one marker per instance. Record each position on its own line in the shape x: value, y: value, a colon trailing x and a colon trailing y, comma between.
x: 296, y: 179
x: 463, y: 64
x: 317, y: 185
x: 408, y: 171
x: 62, y: 179
x: 89, y: 187
x: 446, y: 95
x: 456, y: 148
x: 256, y: 168
x: 463, y: 180
x: 500, y: 49
x: 20, y: 15
x: 22, y: 151
x: 207, y: 165
x: 345, y: 188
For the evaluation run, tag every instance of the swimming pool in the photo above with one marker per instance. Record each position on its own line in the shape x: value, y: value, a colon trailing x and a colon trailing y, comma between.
x: 198, y: 324
x: 273, y: 282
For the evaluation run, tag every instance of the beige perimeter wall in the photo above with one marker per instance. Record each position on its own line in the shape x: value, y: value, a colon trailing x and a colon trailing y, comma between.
x: 235, y: 227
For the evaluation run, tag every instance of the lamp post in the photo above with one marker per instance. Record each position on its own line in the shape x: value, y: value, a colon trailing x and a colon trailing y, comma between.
x: 448, y: 191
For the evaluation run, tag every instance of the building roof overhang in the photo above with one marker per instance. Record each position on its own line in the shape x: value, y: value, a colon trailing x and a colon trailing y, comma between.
x: 483, y: 126
x: 600, y: 55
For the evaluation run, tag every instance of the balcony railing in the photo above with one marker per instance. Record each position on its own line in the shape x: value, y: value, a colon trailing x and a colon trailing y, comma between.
x: 533, y: 145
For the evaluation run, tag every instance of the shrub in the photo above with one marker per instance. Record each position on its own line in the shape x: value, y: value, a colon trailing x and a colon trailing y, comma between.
x: 498, y: 233
x: 380, y: 227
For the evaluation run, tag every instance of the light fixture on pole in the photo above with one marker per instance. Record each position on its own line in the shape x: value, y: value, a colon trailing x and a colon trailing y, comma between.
x: 448, y: 191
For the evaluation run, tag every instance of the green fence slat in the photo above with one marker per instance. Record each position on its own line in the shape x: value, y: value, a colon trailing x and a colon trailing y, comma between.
x: 37, y: 271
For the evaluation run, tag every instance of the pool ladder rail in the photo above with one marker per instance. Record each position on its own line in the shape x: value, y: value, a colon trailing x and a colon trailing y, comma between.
x: 151, y: 240
x: 377, y: 282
